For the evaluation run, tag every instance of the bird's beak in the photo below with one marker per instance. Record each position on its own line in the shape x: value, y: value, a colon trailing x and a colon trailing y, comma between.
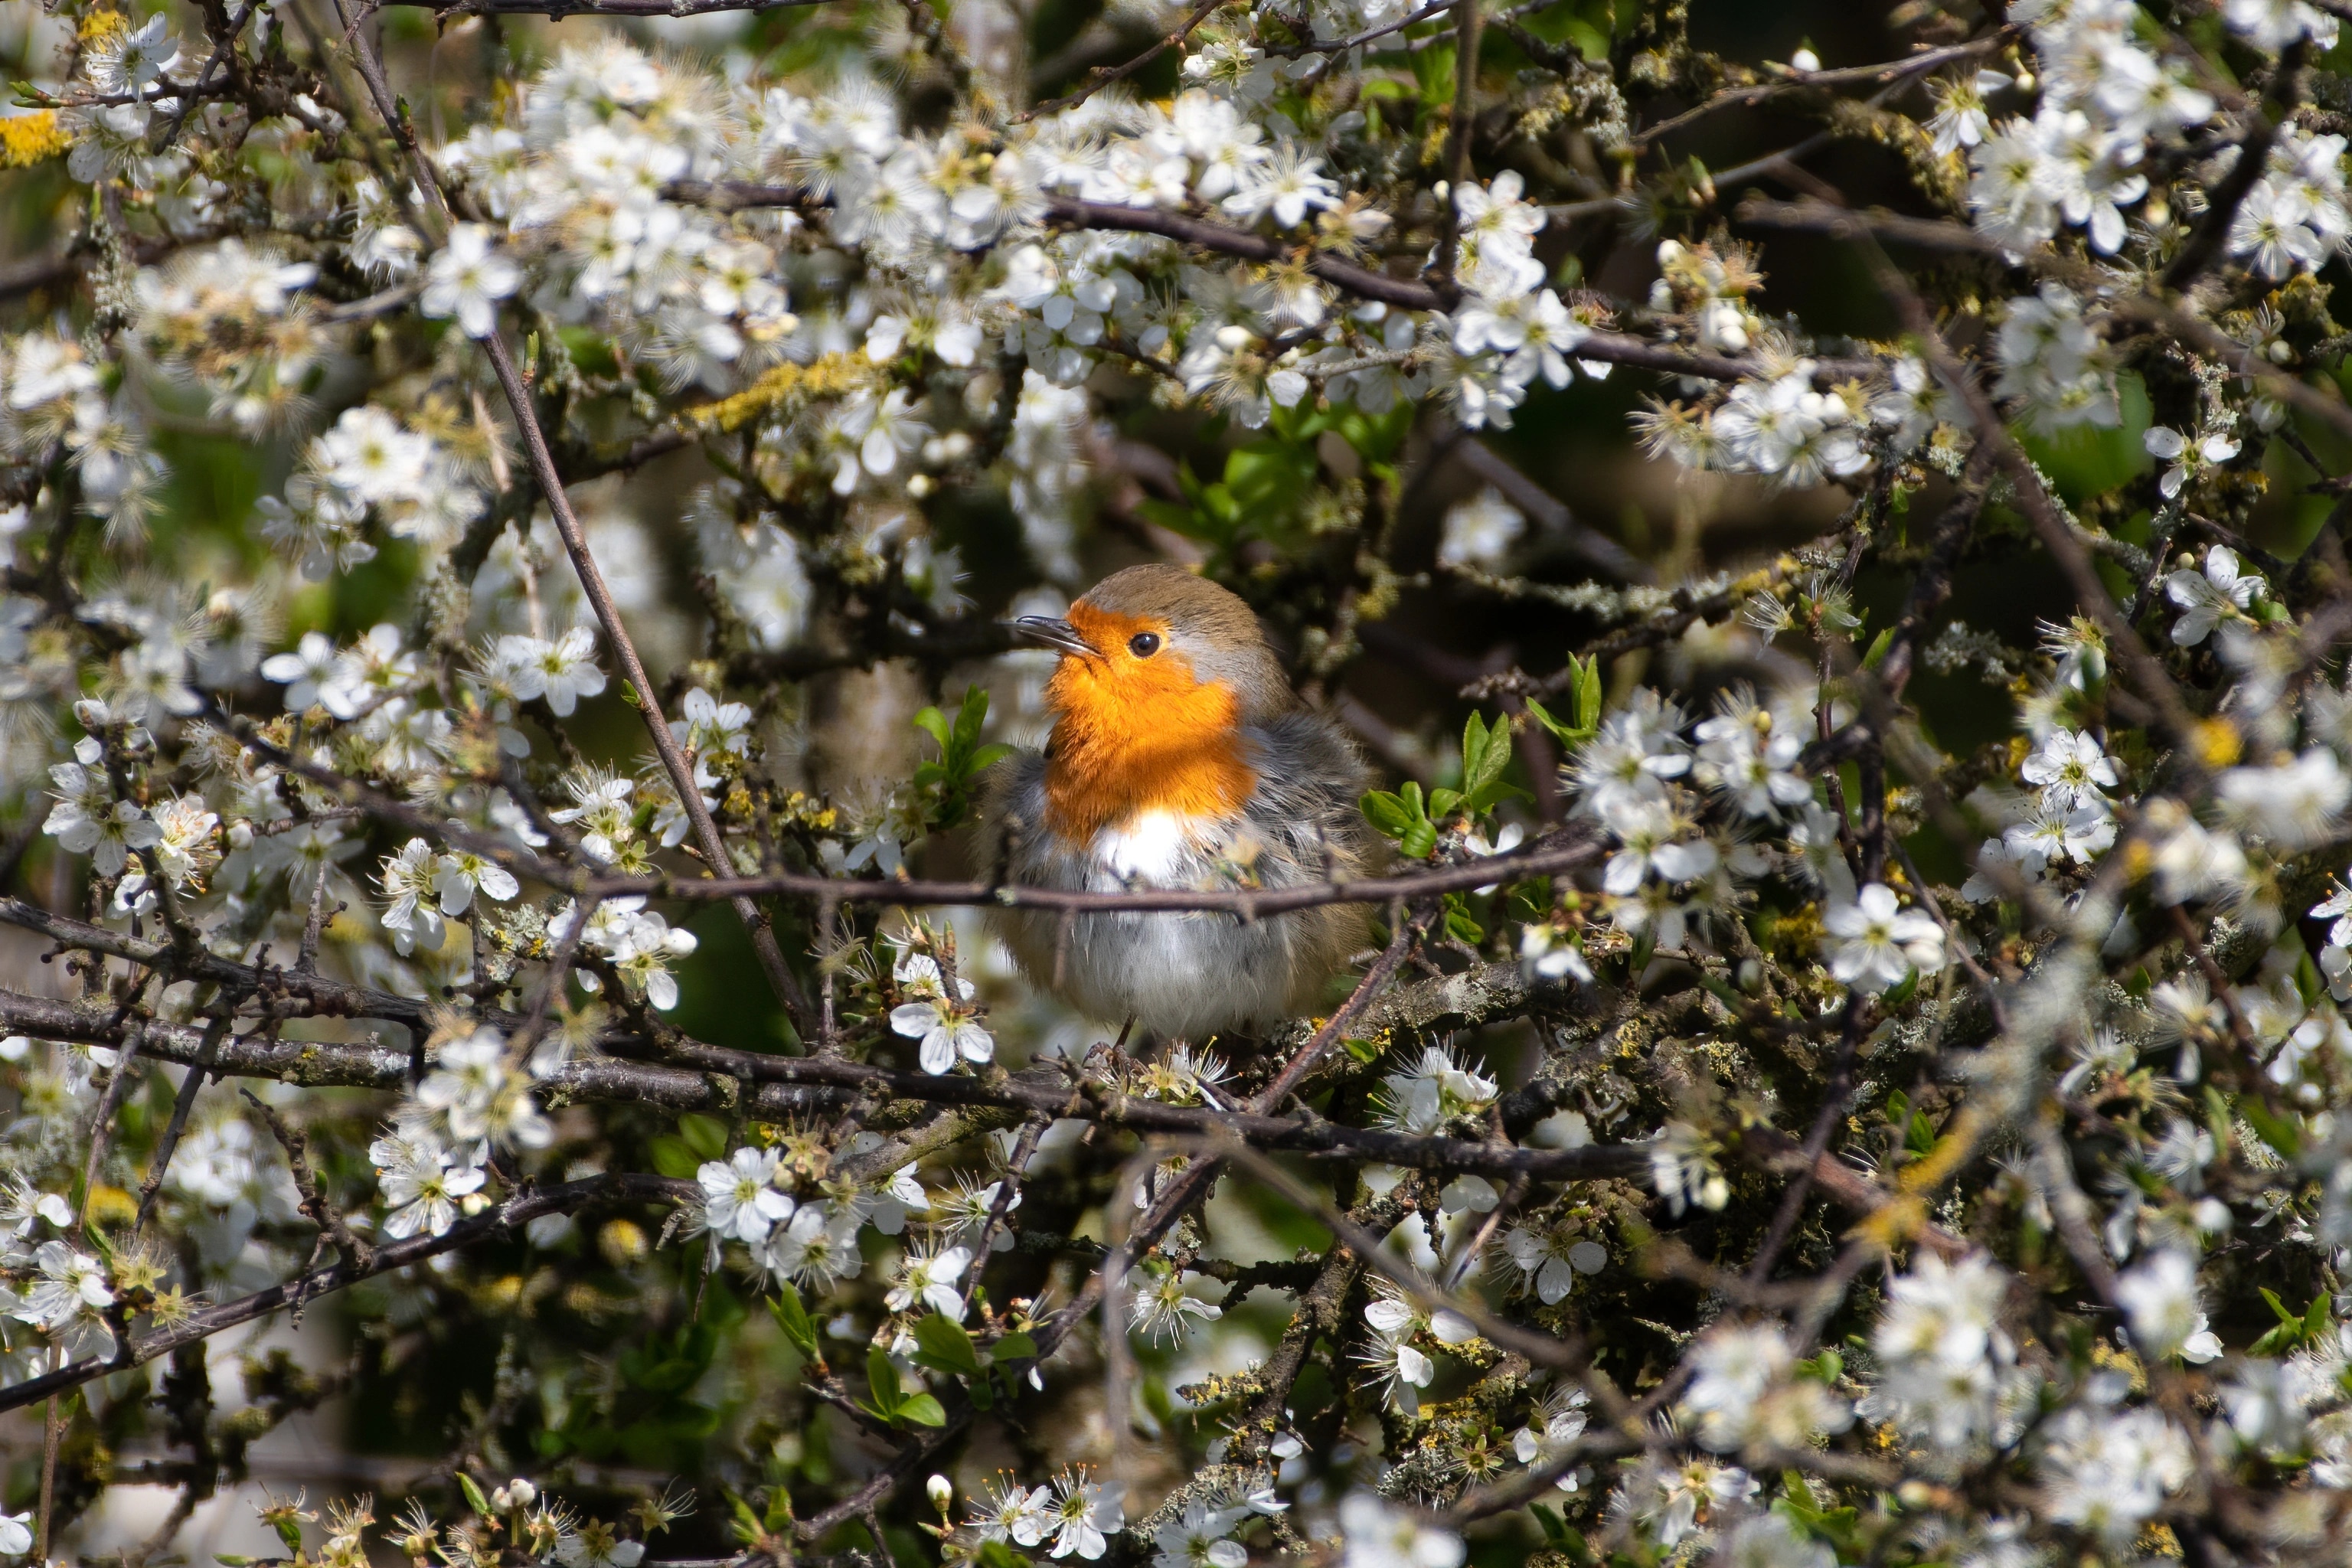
x: 1050, y: 631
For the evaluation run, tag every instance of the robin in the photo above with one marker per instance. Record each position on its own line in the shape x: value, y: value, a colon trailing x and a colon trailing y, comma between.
x: 1180, y: 757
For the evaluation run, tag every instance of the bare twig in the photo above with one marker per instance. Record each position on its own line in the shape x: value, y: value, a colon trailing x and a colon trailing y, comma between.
x: 1102, y: 76
x: 315, y: 1202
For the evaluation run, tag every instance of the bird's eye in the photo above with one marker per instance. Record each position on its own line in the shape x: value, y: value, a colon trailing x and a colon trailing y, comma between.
x: 1143, y: 644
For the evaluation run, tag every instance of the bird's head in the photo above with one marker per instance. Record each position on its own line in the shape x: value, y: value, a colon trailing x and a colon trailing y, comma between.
x: 1158, y: 639
x: 1159, y: 670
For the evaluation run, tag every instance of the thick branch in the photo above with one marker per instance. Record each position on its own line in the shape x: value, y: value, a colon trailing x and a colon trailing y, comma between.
x: 704, y: 1079
x: 1246, y: 903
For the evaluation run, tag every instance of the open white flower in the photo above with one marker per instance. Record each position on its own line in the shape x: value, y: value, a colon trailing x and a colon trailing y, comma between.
x: 1380, y: 1534
x: 2070, y: 769
x: 944, y: 1031
x: 930, y: 1279
x: 2161, y: 1297
x: 1196, y: 1538
x: 1878, y: 942
x: 1481, y: 531
x: 466, y: 279
x: 460, y: 872
x: 563, y: 669
x: 1164, y: 1309
x: 2218, y: 593
x: 1085, y: 1513
x: 413, y: 913
x: 740, y: 1201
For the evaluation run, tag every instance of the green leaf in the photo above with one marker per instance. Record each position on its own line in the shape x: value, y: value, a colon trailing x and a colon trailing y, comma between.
x: 591, y: 352
x: 1588, y: 692
x: 882, y: 1379
x: 1484, y: 764
x: 996, y: 1554
x: 1419, y: 842
x: 1878, y: 647
x: 792, y: 1317
x: 1584, y: 705
x: 946, y: 1347
x: 923, y: 1410
x: 1012, y: 1348
x: 1459, y: 923
x: 2217, y: 1117
x: 1268, y: 476
x: 970, y: 718
x: 1919, y: 1134
x: 1388, y: 812
x: 1434, y: 69
x: 1474, y: 749
x: 1566, y: 734
x: 474, y: 1498
x: 1376, y: 437
x: 2276, y: 1131
x: 1195, y: 521
x: 706, y: 1135
x: 673, y: 1159
x: 947, y: 783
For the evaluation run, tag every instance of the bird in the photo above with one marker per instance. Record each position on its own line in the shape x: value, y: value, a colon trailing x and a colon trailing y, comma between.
x: 1180, y: 757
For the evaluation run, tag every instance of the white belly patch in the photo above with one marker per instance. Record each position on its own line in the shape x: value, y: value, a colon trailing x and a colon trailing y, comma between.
x: 1148, y: 846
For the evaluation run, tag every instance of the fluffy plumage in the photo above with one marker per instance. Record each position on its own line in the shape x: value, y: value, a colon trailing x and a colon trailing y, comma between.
x: 1192, y: 766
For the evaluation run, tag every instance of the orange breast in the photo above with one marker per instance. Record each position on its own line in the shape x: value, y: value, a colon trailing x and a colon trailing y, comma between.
x: 1138, y: 735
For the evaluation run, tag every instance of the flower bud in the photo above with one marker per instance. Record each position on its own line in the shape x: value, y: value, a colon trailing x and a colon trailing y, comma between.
x: 942, y: 1491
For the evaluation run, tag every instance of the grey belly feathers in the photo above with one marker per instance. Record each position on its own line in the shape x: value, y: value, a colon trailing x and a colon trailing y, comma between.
x: 1189, y: 975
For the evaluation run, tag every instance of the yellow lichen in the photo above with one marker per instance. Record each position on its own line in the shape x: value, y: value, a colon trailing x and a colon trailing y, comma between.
x: 786, y: 390
x: 1892, y: 1223
x: 1951, y: 1152
x: 30, y: 139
